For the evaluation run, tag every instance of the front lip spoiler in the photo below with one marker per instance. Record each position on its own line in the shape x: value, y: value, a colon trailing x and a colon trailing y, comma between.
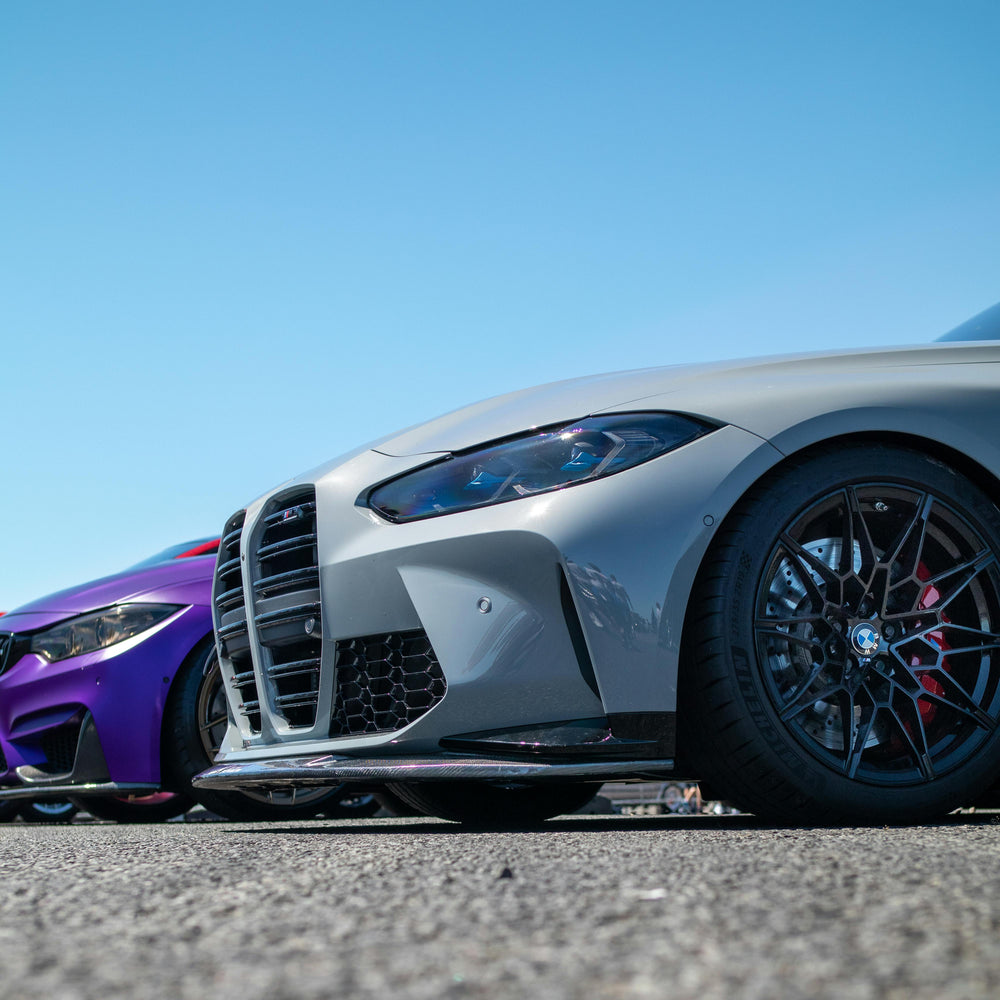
x: 68, y: 789
x: 328, y: 769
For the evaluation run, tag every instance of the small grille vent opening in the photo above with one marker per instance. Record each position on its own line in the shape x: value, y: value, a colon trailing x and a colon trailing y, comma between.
x: 59, y: 746
x: 385, y: 682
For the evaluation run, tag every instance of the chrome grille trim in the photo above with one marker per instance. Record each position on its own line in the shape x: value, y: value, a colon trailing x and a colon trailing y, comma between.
x: 231, y: 629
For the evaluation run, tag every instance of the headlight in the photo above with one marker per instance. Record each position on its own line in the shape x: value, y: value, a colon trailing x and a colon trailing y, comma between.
x: 98, y: 630
x: 549, y: 459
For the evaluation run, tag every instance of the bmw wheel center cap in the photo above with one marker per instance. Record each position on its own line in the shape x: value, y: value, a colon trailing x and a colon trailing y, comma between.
x: 865, y: 639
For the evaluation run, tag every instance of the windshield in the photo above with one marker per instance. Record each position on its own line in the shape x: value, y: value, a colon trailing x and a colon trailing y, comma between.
x: 985, y: 326
x: 186, y: 550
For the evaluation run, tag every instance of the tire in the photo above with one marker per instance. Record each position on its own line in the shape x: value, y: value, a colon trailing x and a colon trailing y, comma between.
x: 155, y: 808
x: 394, y: 805
x: 837, y: 664
x: 9, y: 810
x: 493, y: 807
x: 352, y: 805
x: 195, y: 722
x: 49, y: 811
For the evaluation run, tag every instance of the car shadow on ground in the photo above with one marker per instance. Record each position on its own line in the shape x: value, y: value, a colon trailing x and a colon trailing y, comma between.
x: 411, y: 826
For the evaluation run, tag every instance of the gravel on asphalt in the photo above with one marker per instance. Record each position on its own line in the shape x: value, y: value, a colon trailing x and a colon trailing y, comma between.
x: 581, y: 907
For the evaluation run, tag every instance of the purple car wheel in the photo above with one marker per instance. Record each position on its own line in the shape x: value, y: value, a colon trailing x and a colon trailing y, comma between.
x: 197, y: 720
x: 49, y: 811
x: 155, y: 808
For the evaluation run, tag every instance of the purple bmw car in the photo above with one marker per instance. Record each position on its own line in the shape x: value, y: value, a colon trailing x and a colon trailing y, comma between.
x: 111, y: 695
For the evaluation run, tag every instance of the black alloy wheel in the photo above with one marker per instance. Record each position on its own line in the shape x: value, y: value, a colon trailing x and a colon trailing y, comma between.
x: 857, y: 594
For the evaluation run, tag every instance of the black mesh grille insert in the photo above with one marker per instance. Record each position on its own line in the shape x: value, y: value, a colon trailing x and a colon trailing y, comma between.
x: 385, y: 682
x: 233, y: 636
x: 59, y: 747
x: 286, y: 581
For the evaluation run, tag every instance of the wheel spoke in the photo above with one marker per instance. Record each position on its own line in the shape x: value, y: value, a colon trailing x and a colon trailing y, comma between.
x: 800, y: 640
x: 857, y: 747
x: 845, y: 699
x: 915, y: 531
x: 966, y: 571
x: 802, y: 572
x: 801, y: 699
x: 958, y: 700
x: 212, y: 723
x: 991, y: 638
x: 878, y: 588
x: 787, y: 620
x: 956, y: 650
x: 914, y: 734
x: 810, y: 559
x: 860, y: 535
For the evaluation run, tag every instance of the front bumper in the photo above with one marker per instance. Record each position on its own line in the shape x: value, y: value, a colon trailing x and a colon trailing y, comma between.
x: 86, y: 775
x: 92, y: 723
x: 584, y: 590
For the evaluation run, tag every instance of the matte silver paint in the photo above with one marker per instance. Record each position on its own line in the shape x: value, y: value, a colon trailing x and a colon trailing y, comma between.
x: 631, y: 541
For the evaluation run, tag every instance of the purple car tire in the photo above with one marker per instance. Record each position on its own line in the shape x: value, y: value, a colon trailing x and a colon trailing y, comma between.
x: 194, y: 720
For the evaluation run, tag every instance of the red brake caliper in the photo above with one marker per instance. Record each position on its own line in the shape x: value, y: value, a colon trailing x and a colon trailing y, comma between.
x: 928, y: 599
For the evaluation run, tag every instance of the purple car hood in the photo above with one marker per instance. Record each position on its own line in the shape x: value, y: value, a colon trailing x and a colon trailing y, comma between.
x: 179, y: 581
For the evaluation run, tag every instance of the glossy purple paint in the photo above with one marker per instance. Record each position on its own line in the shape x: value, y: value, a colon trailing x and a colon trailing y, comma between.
x: 124, y: 687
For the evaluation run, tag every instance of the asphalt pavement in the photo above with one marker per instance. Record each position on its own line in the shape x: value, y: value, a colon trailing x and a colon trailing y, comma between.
x: 583, y: 907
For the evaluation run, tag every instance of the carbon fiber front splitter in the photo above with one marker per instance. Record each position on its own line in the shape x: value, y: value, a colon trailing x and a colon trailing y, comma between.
x: 67, y: 789
x: 328, y: 769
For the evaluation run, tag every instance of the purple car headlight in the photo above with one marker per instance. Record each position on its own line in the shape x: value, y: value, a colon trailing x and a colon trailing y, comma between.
x: 98, y: 630
x: 539, y: 462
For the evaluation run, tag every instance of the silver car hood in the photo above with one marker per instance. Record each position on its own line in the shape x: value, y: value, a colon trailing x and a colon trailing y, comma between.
x: 762, y: 395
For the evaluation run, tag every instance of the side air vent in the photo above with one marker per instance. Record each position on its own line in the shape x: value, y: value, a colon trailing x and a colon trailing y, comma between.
x: 385, y: 682
x: 59, y: 746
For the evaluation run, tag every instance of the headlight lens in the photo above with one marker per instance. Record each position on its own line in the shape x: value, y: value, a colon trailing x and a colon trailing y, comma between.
x: 545, y: 460
x: 98, y: 630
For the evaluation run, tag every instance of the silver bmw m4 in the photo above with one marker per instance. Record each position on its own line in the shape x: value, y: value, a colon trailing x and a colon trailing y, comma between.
x: 777, y: 576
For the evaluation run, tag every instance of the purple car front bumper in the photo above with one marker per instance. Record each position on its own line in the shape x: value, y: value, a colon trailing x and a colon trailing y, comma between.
x: 92, y: 724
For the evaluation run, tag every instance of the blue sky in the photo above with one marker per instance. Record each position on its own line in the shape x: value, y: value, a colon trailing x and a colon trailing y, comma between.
x: 237, y: 238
